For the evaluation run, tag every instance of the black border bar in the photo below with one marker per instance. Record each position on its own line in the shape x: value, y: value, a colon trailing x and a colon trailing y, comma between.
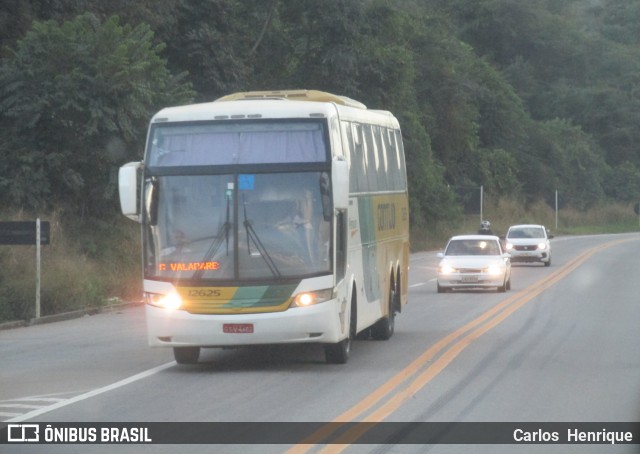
x: 421, y: 433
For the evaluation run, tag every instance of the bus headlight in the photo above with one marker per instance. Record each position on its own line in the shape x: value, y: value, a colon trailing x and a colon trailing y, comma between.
x: 170, y: 301
x: 306, y: 299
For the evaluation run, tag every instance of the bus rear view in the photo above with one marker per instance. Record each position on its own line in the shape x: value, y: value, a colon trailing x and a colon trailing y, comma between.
x: 244, y: 205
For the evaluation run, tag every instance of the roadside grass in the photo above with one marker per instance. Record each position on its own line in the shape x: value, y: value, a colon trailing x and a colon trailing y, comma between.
x: 85, y: 266
x: 604, y: 218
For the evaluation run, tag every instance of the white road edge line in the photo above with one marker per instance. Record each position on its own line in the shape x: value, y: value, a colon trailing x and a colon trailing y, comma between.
x: 420, y: 284
x: 95, y: 392
x: 33, y: 399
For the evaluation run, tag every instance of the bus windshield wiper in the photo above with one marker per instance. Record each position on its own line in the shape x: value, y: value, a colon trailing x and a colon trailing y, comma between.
x: 253, y: 236
x: 217, y: 242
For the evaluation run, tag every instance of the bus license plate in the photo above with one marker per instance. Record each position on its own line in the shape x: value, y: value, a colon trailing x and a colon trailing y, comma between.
x: 238, y: 328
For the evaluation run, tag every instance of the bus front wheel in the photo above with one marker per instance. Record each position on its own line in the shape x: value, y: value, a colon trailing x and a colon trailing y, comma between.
x: 186, y: 355
x: 338, y: 353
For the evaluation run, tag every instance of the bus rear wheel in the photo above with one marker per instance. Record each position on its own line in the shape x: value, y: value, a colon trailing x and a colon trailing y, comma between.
x: 186, y: 355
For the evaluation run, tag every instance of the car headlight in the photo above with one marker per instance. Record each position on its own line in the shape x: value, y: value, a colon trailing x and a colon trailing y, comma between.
x: 306, y: 299
x: 509, y: 246
x: 494, y: 270
x: 446, y: 269
x: 170, y: 301
x: 542, y: 246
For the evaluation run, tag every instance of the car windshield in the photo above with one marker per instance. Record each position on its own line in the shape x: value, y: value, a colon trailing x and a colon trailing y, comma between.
x: 526, y: 232
x: 472, y: 247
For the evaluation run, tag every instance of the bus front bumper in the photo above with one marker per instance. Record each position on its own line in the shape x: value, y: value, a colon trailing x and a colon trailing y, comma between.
x: 321, y: 323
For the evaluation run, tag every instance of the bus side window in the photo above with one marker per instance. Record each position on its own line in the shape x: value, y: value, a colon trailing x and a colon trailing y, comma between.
x: 341, y: 244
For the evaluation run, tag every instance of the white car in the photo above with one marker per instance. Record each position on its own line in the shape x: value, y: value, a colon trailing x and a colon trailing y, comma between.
x: 529, y: 243
x: 474, y: 261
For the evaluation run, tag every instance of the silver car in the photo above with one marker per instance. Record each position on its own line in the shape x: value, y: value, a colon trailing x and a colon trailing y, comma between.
x: 474, y: 261
x: 529, y: 243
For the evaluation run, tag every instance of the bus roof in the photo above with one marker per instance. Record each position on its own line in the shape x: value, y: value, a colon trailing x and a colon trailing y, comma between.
x: 276, y: 104
x: 294, y: 95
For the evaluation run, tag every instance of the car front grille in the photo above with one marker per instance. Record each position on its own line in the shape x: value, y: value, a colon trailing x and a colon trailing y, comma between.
x: 525, y: 248
x: 469, y: 270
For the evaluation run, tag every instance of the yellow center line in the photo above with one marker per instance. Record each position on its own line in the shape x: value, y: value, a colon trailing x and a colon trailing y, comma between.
x: 479, y: 325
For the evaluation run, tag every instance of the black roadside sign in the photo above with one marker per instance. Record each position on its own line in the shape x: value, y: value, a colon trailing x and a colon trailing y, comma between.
x: 23, y: 232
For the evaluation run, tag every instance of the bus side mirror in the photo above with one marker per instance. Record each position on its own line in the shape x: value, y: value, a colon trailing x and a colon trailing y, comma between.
x: 128, y: 185
x: 340, y: 179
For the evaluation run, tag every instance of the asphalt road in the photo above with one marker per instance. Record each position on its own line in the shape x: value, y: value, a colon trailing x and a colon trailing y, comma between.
x: 561, y: 346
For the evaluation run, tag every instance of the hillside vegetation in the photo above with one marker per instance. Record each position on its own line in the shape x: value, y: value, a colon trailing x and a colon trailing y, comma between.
x: 524, y: 98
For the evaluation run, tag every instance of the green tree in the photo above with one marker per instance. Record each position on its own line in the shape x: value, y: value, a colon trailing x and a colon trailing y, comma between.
x: 618, y: 20
x: 75, y: 101
x: 622, y: 182
x: 213, y: 40
x: 571, y: 59
x: 314, y: 44
x: 569, y: 160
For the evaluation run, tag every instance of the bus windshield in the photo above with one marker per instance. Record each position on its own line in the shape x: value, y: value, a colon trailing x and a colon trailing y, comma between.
x: 236, y: 226
x: 230, y: 143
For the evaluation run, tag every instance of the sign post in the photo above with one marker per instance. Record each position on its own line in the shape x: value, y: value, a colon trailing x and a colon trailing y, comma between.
x: 556, y: 209
x: 481, y: 203
x: 27, y: 233
x: 38, y: 268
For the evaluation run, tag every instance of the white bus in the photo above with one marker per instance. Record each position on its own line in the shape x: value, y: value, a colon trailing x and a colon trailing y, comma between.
x: 271, y: 218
